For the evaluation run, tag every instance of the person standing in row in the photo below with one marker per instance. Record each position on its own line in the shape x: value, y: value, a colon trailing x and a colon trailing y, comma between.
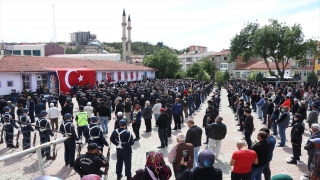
x: 135, y: 118
x: 162, y: 124
x: 82, y: 121
x: 44, y: 128
x: 147, y: 116
x: 26, y: 129
x: 193, y: 136
x: 217, y: 132
x: 53, y: 114
x: 315, y: 128
x: 296, y: 138
x: 176, y: 112
x: 8, y: 125
x: 248, y: 127
x: 283, y: 123
x: 104, y: 114
x: 272, y: 141
x: 89, y: 109
x: 169, y: 112
x: 156, y: 109
x: 123, y: 140
x: 70, y: 144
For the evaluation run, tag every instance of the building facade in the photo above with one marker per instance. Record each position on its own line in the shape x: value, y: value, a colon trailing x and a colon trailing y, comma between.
x: 37, y: 50
x: 187, y: 59
x: 316, y: 66
x: 82, y: 37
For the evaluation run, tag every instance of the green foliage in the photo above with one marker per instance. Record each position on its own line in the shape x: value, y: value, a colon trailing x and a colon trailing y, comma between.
x: 165, y: 61
x: 312, y: 77
x: 275, y: 41
x: 208, y: 66
x: 259, y: 76
x: 180, y: 75
x: 143, y: 48
x: 61, y: 43
x: 194, y: 69
x: 252, y: 77
x: 69, y: 50
x: 205, y: 77
x: 226, y: 76
x: 219, y: 77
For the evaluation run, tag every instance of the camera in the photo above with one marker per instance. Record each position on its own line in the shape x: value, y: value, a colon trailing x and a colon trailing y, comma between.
x: 185, y: 155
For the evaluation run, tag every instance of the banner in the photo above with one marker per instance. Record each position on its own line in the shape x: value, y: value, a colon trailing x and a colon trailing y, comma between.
x: 119, y: 76
x: 131, y: 74
x: 109, y: 76
x: 137, y: 75
x: 75, y: 76
x: 53, y: 82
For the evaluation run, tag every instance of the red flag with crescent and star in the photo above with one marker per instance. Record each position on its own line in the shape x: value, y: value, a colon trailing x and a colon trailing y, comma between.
x: 68, y: 77
x: 131, y: 74
x: 109, y: 76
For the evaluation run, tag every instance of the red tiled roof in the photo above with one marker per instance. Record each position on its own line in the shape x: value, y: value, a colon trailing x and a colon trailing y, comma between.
x: 248, y: 65
x: 225, y: 52
x: 43, y: 64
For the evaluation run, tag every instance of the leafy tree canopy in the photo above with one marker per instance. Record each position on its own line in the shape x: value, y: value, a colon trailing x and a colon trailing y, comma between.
x: 275, y: 41
x: 219, y: 77
x: 259, y: 77
x: 312, y: 77
x: 165, y: 61
x: 208, y: 66
x: 226, y: 76
x: 194, y: 69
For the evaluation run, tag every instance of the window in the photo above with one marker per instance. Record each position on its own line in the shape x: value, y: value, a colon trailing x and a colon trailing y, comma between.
x: 223, y: 65
x: 16, y: 52
x: 36, y: 52
x: 27, y: 52
x: 297, y: 72
x: 318, y: 60
x: 225, y: 58
x: 104, y: 76
x: 309, y: 63
x: 306, y: 73
x: 237, y: 74
x: 25, y: 81
x: 318, y: 72
x: 218, y: 58
x: 9, y: 83
x: 42, y: 80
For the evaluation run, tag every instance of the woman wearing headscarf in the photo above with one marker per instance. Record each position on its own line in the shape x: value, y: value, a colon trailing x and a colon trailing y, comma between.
x: 155, y: 169
x: 205, y: 171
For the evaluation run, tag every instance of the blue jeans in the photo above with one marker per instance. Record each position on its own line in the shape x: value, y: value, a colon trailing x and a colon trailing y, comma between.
x: 156, y: 116
x: 31, y: 114
x: 202, y: 99
x: 195, y: 155
x: 259, y: 112
x: 190, y: 109
x: 274, y: 128
x: 248, y: 98
x: 254, y: 107
x: 104, y: 123
x: 13, y: 100
x: 256, y: 173
x: 282, y: 133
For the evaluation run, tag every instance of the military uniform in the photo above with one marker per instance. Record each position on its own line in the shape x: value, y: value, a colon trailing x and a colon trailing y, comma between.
x: 26, y: 129
x: 93, y: 134
x: 70, y: 144
x: 8, y: 125
x: 45, y: 132
x: 123, y: 139
x: 296, y: 139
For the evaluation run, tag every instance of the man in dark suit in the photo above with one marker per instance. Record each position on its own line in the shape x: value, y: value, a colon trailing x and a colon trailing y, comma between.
x: 147, y: 115
x: 169, y: 112
x: 269, y: 113
x: 39, y: 107
x: 162, y: 124
x: 67, y: 108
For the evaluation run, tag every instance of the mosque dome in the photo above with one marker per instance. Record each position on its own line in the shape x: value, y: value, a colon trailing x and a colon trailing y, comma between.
x: 94, y: 44
x: 104, y: 52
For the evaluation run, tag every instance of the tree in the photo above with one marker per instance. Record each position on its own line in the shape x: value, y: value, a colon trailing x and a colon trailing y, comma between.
x: 275, y: 41
x: 194, y: 69
x: 206, y: 77
x: 208, y: 66
x: 259, y: 77
x: 226, y: 76
x: 165, y: 61
x: 312, y: 77
x: 180, y: 74
x: 252, y: 77
x: 219, y: 77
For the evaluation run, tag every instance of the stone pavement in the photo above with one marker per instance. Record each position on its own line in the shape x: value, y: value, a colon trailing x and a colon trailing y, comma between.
x: 26, y: 167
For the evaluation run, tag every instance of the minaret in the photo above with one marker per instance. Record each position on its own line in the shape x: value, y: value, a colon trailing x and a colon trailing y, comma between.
x: 124, y: 38
x: 129, y: 36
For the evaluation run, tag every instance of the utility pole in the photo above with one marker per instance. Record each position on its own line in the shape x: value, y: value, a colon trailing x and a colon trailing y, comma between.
x: 54, y: 38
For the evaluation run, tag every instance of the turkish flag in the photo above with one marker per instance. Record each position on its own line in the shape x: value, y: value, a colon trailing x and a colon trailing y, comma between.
x: 109, y: 76
x: 119, y: 75
x: 68, y: 77
x: 131, y: 74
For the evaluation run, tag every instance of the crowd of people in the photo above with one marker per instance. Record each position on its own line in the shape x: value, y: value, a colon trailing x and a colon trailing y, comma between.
x: 169, y: 103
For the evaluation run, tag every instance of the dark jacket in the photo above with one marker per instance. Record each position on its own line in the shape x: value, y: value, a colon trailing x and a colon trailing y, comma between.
x: 248, y: 124
x: 147, y: 112
x: 218, y: 130
x: 309, y: 146
x: 262, y: 149
x: 199, y: 173
x: 295, y: 108
x: 296, y: 132
x: 303, y: 111
x: 169, y: 112
x: 241, y: 110
x: 275, y: 115
x: 119, y: 108
x: 127, y: 106
x: 89, y: 164
x: 212, y: 116
x: 39, y: 107
x: 177, y: 109
x: 138, y: 117
x: 270, y: 108
x: 163, y: 121
x: 126, y: 139
x: 194, y: 136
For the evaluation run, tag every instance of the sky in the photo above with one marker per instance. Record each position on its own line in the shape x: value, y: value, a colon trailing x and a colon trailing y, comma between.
x: 177, y: 23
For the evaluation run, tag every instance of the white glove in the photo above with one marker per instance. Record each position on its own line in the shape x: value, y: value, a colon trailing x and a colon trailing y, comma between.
x: 79, y: 142
x: 1, y: 124
x: 19, y: 129
x: 119, y: 146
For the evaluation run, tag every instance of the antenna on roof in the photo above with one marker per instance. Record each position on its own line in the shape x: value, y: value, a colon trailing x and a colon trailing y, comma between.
x: 54, y: 38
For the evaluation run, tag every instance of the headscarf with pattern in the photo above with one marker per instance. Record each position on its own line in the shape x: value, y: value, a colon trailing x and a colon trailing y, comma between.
x: 156, y: 163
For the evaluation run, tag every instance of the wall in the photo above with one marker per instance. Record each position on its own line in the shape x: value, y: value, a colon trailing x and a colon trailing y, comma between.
x: 17, y: 82
x: 30, y: 47
x: 51, y: 49
x: 150, y: 74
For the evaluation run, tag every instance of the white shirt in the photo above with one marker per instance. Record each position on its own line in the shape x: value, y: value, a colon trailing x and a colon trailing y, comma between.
x: 156, y: 108
x: 89, y: 110
x: 53, y: 112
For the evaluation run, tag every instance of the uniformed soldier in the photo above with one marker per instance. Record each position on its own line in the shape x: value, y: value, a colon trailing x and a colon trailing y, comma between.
x: 26, y: 129
x: 93, y: 133
x: 8, y: 125
x: 123, y: 139
x: 44, y: 128
x: 82, y: 121
x: 296, y: 138
x: 91, y: 162
x: 70, y: 144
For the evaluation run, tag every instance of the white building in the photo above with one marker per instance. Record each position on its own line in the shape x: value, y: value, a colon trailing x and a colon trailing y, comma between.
x: 187, y: 59
x: 37, y: 50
